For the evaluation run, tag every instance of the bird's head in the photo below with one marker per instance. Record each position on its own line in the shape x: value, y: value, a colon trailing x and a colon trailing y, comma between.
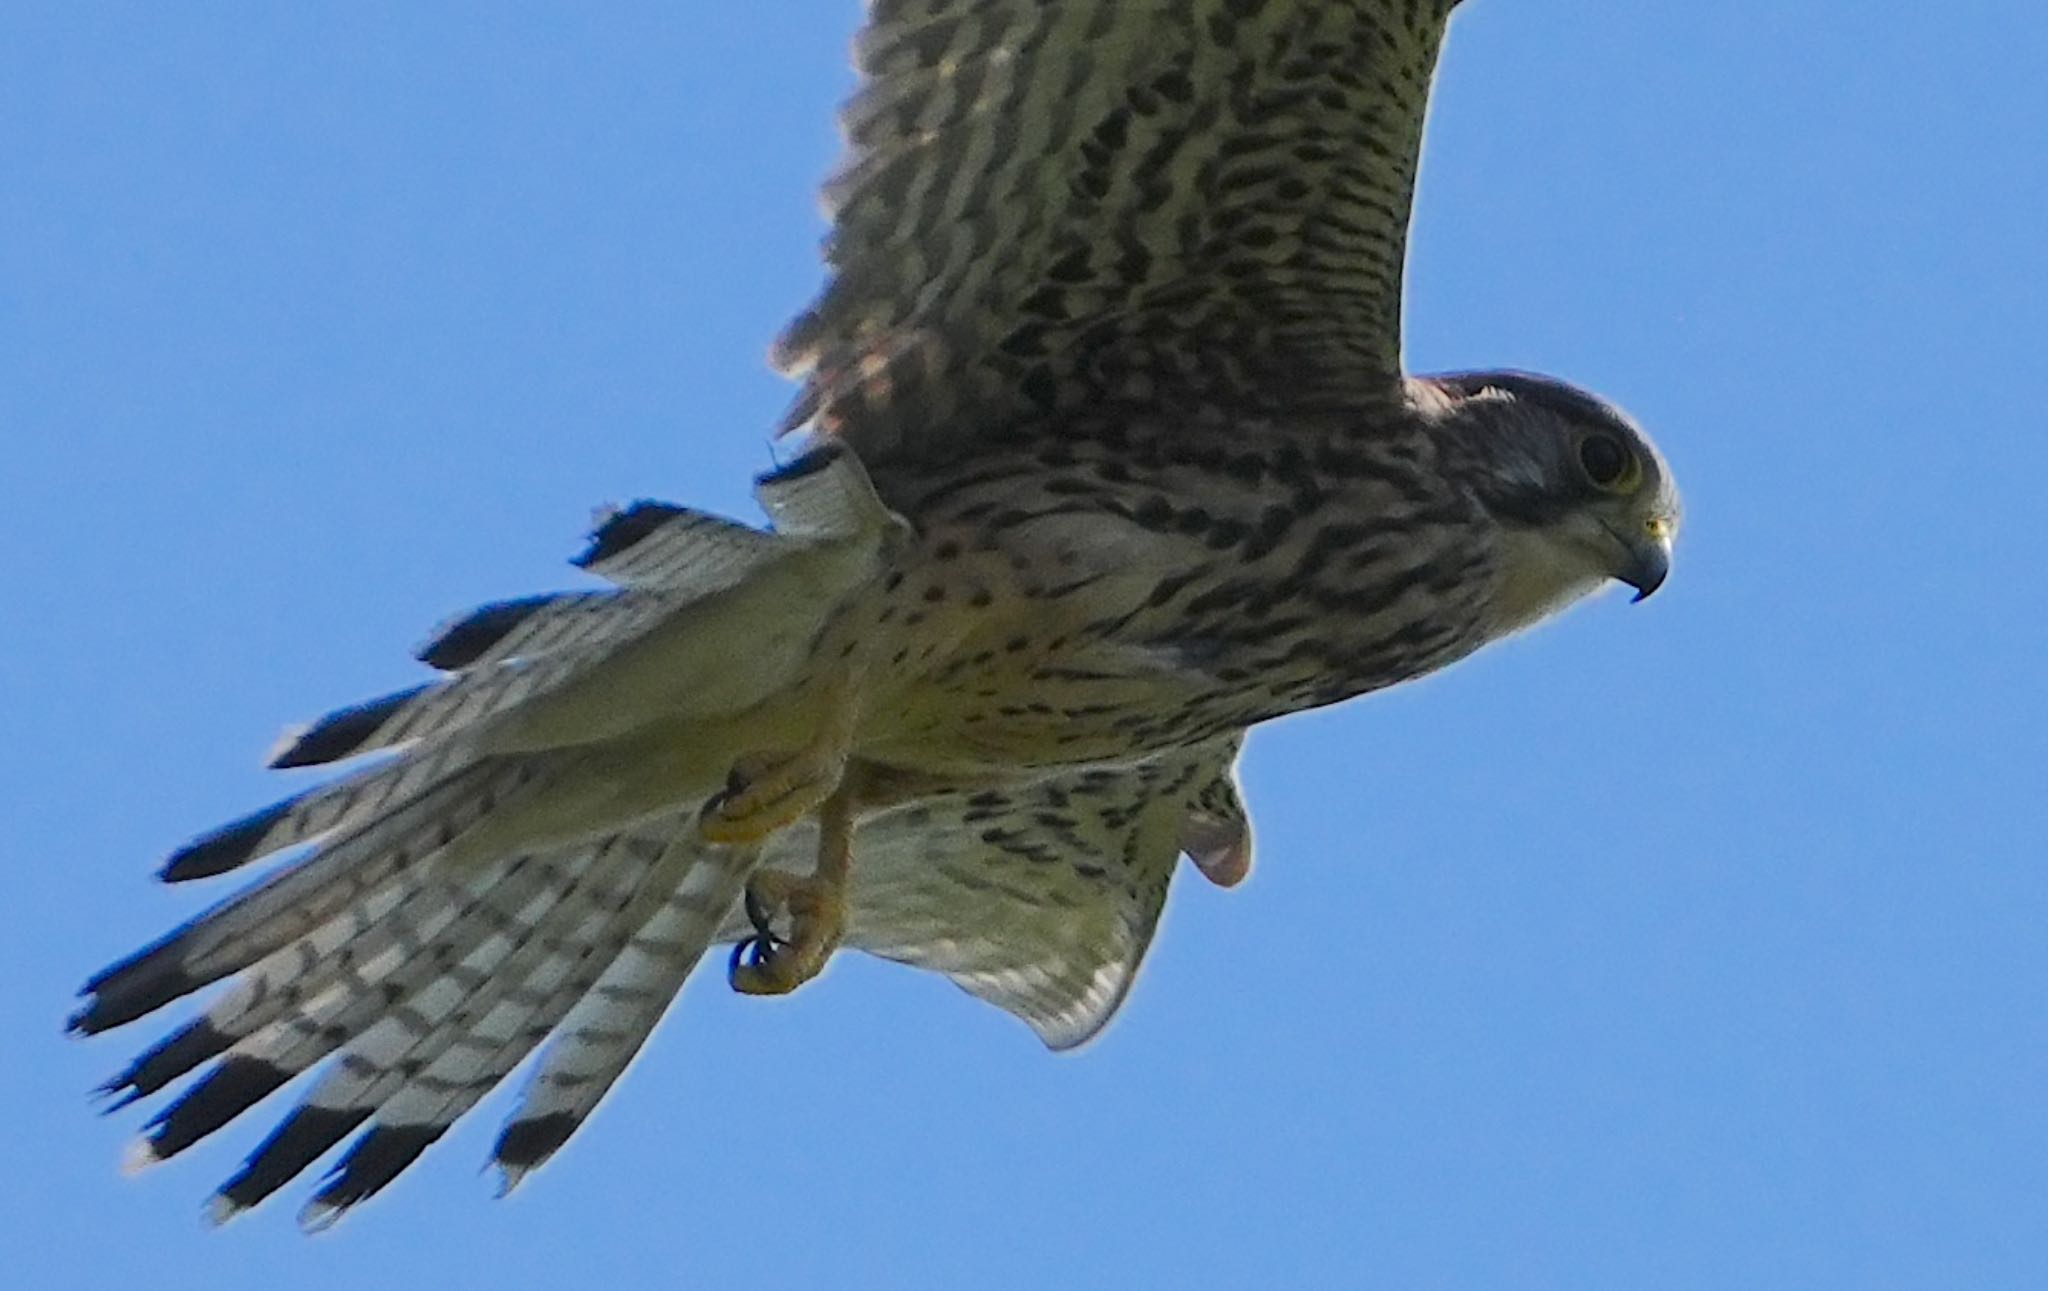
x: 1579, y: 492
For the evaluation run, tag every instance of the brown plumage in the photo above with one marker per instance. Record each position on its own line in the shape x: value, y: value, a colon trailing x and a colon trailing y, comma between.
x: 1112, y: 458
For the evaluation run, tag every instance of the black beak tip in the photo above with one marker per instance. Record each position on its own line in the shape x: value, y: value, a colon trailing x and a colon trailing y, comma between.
x: 1646, y: 580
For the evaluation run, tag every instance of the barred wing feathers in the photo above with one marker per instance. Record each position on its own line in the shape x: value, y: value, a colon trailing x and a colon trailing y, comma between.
x: 1049, y: 202
x: 1040, y: 899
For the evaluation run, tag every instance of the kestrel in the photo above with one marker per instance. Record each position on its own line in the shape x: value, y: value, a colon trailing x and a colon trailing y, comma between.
x: 1109, y: 456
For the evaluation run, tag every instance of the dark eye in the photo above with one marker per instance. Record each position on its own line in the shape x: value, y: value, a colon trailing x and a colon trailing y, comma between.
x: 1607, y: 460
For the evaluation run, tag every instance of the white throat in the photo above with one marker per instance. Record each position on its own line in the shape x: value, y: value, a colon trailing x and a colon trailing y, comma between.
x: 1541, y: 572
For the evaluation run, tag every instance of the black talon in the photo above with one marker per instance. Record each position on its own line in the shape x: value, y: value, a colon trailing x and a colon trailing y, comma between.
x: 759, y: 915
x: 752, y: 952
x: 735, y: 784
x: 758, y: 951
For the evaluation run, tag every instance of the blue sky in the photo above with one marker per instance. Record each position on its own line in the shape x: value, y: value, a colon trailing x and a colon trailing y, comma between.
x: 1702, y: 943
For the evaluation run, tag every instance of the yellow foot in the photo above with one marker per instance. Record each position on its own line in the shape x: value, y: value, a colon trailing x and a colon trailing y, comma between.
x: 766, y: 793
x: 765, y: 964
x: 815, y: 906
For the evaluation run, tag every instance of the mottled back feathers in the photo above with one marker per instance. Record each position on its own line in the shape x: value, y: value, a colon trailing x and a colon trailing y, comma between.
x: 1050, y: 202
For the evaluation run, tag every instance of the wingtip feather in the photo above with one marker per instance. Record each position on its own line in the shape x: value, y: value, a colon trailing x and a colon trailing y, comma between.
x: 230, y: 847
x: 462, y: 641
x: 622, y: 527
x: 525, y: 1145
x: 341, y: 734
x: 317, y: 1216
x: 139, y: 1155
x: 219, y: 1210
x: 133, y: 988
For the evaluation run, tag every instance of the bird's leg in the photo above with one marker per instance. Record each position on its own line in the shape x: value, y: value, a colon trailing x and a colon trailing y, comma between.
x: 769, y: 792
x: 765, y: 964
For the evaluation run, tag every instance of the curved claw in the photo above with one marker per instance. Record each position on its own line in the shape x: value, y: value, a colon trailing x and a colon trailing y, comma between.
x: 759, y: 915
x: 815, y: 907
x: 750, y: 957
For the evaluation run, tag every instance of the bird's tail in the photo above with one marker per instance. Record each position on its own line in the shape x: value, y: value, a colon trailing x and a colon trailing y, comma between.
x: 426, y: 985
x: 485, y: 888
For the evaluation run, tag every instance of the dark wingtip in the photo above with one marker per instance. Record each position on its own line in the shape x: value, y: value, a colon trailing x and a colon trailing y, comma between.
x: 372, y: 1163
x: 815, y: 459
x: 342, y: 733
x: 623, y: 528
x: 227, y: 1091
x: 298, y: 1141
x: 163, y: 1062
x: 138, y: 985
x: 230, y: 847
x: 525, y: 1144
x: 462, y: 642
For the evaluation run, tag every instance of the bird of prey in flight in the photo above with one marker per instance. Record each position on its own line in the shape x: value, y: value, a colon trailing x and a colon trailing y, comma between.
x: 1108, y: 455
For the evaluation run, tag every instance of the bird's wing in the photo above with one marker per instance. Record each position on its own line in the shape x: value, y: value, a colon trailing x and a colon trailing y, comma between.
x: 1051, y: 202
x: 1040, y: 898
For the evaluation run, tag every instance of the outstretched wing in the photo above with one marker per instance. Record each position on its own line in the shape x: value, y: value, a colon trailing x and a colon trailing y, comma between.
x: 1047, y: 203
x: 1041, y: 897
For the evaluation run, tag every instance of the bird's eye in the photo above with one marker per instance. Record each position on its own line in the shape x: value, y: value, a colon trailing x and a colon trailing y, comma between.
x: 1609, y: 463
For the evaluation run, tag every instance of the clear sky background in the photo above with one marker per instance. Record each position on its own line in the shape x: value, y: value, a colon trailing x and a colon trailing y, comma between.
x: 1696, y: 944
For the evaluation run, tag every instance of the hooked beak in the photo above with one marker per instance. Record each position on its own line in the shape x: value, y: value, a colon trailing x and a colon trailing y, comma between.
x: 1646, y: 562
